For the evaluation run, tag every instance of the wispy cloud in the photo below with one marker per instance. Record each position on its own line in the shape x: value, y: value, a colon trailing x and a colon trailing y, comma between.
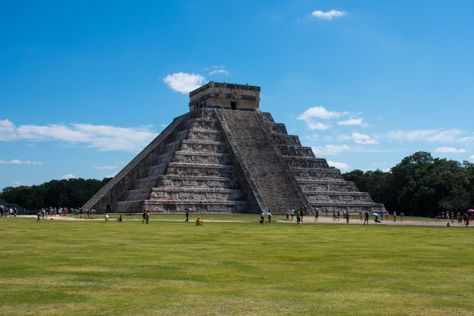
x: 328, y: 15
x: 68, y: 176
x: 330, y: 149
x: 101, y: 137
x: 353, y: 122
x: 339, y: 165
x: 219, y: 70
x: 183, y: 82
x: 313, y: 115
x: 358, y: 138
x: 452, y: 135
x: 20, y: 162
x: 449, y: 150
x: 105, y: 167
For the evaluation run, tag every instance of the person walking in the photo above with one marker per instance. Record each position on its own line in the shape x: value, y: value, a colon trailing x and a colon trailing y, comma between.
x: 366, y: 218
x: 316, y: 215
x: 298, y: 217
x: 186, y: 214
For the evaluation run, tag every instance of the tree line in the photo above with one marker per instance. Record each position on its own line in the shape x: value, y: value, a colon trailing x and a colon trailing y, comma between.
x: 420, y: 185
x: 72, y: 193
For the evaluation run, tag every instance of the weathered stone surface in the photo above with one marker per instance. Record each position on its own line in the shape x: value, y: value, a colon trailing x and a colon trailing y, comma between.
x: 227, y: 156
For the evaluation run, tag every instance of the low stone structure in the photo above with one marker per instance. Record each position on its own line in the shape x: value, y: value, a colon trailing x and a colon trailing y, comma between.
x: 227, y: 156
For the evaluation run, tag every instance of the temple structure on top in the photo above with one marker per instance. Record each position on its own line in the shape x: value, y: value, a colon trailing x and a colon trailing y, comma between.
x: 225, y: 155
x: 229, y: 96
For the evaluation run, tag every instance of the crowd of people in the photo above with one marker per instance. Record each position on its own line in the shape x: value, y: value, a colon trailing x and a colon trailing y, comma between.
x: 8, y: 211
x: 265, y: 217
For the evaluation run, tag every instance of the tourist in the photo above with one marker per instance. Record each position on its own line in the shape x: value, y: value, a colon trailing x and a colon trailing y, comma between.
x: 198, y: 221
x: 347, y: 217
x: 119, y: 219
x: 316, y: 215
x: 269, y: 217
x: 298, y: 217
x: 366, y: 218
x: 394, y: 216
x: 338, y: 215
x: 292, y: 214
x: 333, y: 216
x: 147, y: 217
x: 466, y: 219
x: 186, y: 214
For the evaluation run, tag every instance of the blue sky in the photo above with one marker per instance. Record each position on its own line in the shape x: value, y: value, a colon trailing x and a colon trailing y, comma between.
x: 84, y: 85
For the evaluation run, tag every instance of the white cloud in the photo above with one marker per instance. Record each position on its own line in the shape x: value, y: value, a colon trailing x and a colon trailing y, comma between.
x: 221, y: 72
x: 472, y: 157
x: 68, y: 176
x: 20, y: 162
x: 7, y: 130
x: 105, y: 167
x: 358, y: 138
x: 183, y: 82
x: 101, y: 137
x: 330, y: 150
x: 452, y: 135
x: 353, y: 122
x: 328, y: 15
x: 339, y: 165
x: 218, y: 70
x: 319, y: 112
x: 318, y: 125
x: 313, y: 114
x: 449, y: 150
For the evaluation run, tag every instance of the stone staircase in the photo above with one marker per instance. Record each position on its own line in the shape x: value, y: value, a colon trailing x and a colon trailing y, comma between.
x: 199, y: 175
x: 322, y: 185
x: 265, y: 171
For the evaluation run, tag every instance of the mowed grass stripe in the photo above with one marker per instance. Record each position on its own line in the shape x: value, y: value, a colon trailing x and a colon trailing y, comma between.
x: 87, y: 267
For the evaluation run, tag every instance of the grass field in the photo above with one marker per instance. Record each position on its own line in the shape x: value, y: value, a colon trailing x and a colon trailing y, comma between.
x: 97, y: 268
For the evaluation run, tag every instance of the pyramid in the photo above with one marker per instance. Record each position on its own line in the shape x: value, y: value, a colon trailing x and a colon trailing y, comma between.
x: 224, y: 155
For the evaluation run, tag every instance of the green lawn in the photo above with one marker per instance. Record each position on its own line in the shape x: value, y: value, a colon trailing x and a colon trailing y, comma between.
x: 96, y: 268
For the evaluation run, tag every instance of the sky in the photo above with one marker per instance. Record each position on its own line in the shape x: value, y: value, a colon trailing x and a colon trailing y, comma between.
x: 85, y: 85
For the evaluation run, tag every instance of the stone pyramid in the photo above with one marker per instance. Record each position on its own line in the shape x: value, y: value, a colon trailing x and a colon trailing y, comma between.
x: 224, y: 155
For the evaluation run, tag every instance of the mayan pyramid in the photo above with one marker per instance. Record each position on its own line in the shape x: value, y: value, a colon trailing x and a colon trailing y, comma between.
x: 224, y: 155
